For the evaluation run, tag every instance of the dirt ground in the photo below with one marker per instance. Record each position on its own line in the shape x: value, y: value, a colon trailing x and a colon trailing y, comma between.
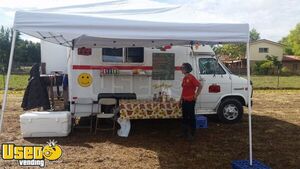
x: 153, y: 143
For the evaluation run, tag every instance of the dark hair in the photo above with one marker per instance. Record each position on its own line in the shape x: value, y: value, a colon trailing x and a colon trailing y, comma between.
x: 187, y: 67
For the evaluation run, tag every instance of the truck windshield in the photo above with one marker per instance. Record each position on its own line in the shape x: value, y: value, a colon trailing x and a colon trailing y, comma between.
x: 210, y: 66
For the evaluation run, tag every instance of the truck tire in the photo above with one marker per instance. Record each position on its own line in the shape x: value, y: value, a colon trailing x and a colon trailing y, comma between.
x: 230, y: 111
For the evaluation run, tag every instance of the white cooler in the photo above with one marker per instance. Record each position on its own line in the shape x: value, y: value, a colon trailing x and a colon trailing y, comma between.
x: 45, y: 124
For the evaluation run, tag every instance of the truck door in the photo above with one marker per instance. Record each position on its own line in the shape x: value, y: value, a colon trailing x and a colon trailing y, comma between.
x: 215, y: 80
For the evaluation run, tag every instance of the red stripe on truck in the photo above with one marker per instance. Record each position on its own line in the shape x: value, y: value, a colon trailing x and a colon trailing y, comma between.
x: 177, y: 67
x: 90, y: 67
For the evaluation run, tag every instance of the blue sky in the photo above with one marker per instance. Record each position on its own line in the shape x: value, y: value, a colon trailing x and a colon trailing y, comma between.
x: 273, y: 19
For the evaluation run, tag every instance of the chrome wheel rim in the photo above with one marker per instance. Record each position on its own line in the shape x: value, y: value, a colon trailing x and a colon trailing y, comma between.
x: 230, y: 112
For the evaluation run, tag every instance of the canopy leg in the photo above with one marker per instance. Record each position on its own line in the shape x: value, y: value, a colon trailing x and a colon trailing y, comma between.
x: 249, y: 103
x: 8, y: 76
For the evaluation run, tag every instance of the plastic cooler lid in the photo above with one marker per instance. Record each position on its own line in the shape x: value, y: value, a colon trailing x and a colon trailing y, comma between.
x: 46, y: 114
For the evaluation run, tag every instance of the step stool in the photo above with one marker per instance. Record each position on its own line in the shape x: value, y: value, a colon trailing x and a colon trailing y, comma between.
x: 245, y: 164
x: 201, y: 121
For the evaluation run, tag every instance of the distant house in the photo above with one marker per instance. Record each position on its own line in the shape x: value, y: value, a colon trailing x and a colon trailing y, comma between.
x: 292, y: 63
x: 261, y: 48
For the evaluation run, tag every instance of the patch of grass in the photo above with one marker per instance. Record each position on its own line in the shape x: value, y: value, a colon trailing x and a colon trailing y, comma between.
x: 16, y: 82
x: 278, y: 92
x: 287, y: 82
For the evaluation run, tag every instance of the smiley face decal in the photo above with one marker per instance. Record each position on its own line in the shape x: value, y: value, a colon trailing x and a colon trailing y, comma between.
x: 85, y: 79
x: 52, y: 153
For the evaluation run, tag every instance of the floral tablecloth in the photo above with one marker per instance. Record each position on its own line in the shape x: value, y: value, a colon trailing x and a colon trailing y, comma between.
x: 143, y: 109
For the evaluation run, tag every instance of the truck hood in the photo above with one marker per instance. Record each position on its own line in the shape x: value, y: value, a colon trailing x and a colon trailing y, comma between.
x: 238, y: 79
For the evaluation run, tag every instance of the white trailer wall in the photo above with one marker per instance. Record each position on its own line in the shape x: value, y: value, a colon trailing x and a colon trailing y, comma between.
x: 141, y: 85
x: 55, y: 57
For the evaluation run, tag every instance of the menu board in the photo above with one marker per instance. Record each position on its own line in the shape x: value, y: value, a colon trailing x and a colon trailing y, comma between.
x: 163, y: 66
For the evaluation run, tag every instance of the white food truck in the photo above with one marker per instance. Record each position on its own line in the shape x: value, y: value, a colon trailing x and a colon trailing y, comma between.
x: 144, y: 72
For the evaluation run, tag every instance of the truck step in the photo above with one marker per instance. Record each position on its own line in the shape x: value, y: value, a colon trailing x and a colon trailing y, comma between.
x: 205, y: 111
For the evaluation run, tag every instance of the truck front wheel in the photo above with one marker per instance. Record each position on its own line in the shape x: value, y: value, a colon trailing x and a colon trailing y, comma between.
x: 230, y: 111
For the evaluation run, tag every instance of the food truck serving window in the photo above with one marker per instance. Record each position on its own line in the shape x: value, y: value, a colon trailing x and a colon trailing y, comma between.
x: 126, y: 55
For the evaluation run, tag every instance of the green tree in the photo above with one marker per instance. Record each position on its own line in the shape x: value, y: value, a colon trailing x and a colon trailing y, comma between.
x: 236, y: 50
x: 277, y: 65
x: 254, y: 35
x: 268, y: 66
x: 26, y: 52
x: 274, y: 60
x: 287, y: 46
x: 292, y: 41
x: 5, y: 40
x: 231, y: 50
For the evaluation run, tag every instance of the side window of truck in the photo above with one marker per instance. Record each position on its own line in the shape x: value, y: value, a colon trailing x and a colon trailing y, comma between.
x: 210, y: 66
x: 134, y: 55
x: 126, y: 55
x: 112, y: 54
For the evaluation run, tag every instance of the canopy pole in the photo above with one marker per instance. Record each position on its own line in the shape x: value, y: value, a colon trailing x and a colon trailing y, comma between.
x: 70, y: 63
x: 8, y: 76
x: 249, y: 102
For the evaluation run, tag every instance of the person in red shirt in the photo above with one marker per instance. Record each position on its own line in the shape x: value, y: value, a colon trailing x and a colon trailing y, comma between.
x: 191, y: 88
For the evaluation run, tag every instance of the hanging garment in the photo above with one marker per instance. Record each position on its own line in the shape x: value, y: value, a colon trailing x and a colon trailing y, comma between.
x: 36, y: 94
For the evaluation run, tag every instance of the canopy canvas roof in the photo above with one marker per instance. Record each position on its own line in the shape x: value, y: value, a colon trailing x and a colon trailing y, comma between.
x: 125, y: 23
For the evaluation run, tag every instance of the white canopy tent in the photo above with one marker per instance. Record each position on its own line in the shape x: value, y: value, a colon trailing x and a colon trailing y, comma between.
x: 75, y: 30
x: 125, y: 23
